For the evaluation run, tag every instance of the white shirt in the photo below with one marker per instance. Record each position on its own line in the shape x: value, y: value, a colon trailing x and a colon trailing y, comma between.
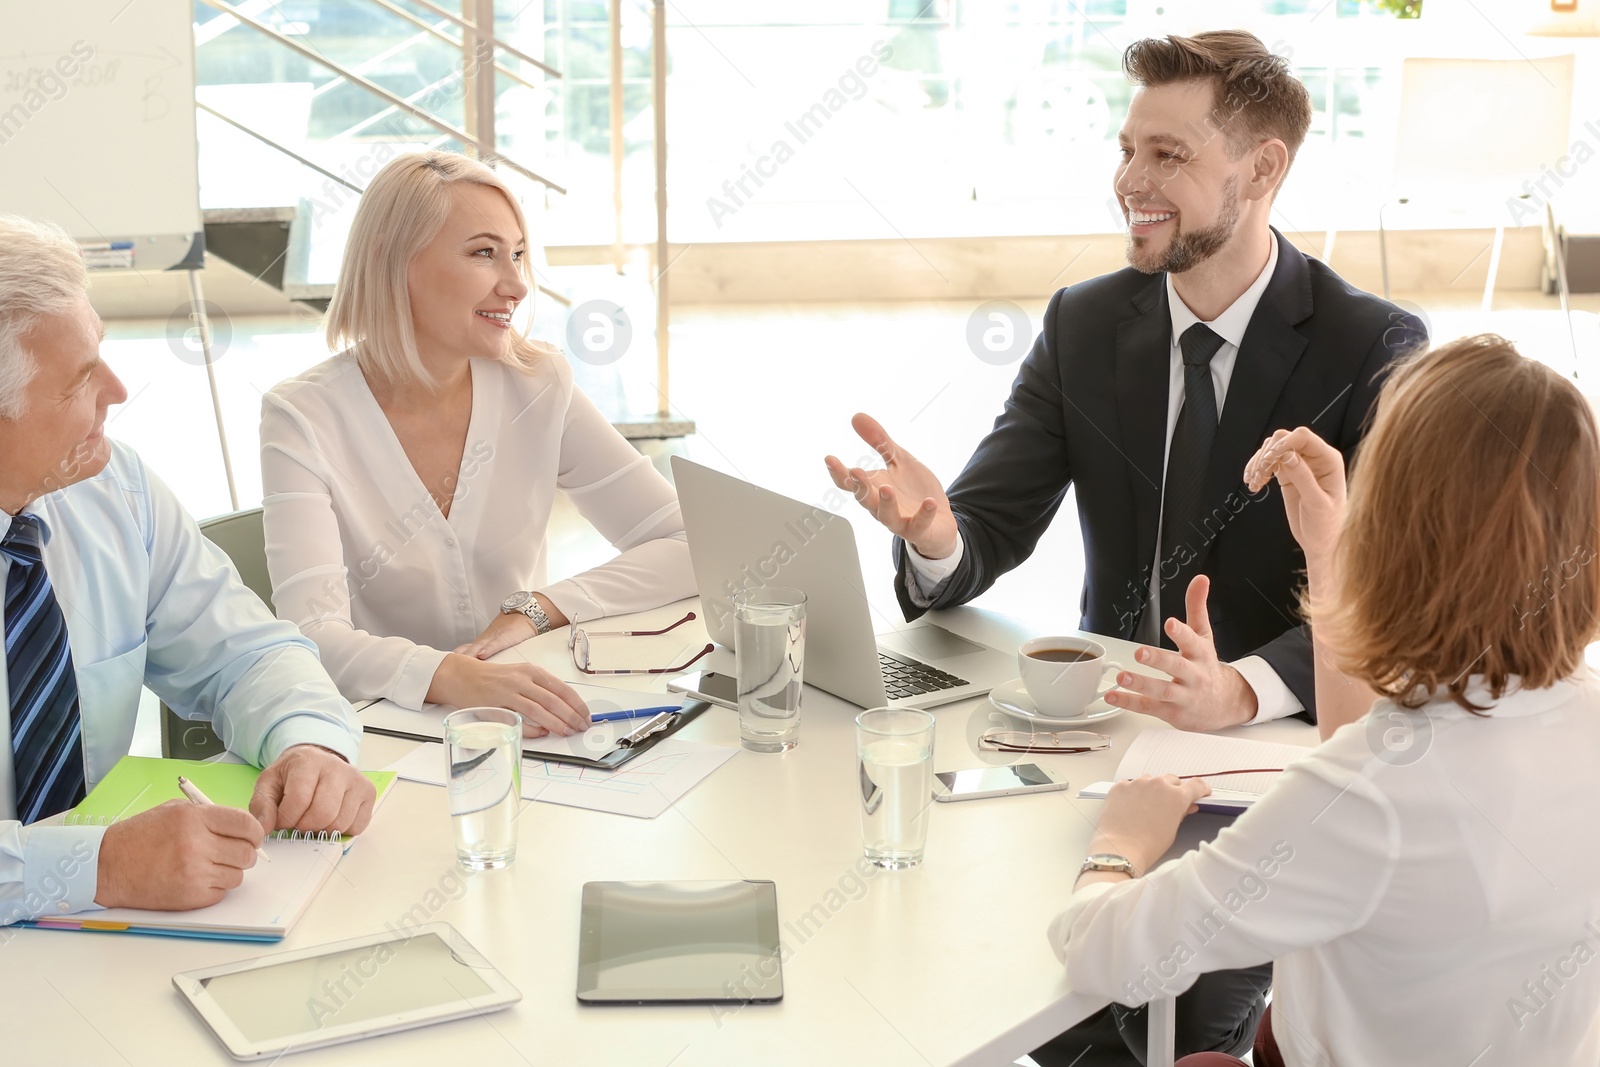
x: 1274, y: 699
x: 1436, y: 902
x: 149, y: 601
x: 363, y: 561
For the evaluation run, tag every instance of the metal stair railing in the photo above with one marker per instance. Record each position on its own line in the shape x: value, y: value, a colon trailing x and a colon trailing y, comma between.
x: 486, y: 43
x: 437, y: 30
x: 270, y: 143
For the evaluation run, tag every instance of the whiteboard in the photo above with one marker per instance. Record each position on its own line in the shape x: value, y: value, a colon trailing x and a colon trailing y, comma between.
x: 97, y: 128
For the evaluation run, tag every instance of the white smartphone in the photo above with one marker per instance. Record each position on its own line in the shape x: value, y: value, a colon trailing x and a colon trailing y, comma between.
x: 719, y: 689
x: 983, y: 782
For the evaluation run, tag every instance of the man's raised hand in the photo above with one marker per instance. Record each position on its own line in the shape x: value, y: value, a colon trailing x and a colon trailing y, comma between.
x: 904, y: 496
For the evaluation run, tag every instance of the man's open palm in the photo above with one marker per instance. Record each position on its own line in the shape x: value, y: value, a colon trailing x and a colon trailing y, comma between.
x: 905, y: 496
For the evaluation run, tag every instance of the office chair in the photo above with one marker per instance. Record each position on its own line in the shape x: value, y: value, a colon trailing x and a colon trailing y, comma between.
x: 242, y: 537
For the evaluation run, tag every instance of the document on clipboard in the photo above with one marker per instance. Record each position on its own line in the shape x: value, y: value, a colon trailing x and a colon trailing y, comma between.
x: 644, y: 788
x: 608, y: 744
x: 599, y: 746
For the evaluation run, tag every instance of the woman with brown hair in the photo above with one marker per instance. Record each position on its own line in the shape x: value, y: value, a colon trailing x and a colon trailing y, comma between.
x: 1426, y: 881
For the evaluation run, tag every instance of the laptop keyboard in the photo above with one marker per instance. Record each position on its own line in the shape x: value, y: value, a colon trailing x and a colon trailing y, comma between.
x: 904, y: 679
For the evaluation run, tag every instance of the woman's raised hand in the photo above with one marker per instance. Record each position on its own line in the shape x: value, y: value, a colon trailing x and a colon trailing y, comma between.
x: 1311, y: 473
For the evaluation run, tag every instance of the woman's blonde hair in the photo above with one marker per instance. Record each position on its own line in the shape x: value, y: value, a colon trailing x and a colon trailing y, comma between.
x: 1473, y: 527
x: 401, y: 211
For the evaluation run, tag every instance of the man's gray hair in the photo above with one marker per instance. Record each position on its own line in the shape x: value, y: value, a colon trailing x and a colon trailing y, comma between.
x: 41, y: 273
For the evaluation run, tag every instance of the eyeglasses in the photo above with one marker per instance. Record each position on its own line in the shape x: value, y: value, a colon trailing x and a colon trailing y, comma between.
x: 1026, y: 741
x: 578, y: 645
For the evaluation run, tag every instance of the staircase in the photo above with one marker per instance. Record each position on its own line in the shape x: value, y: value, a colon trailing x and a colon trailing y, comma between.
x: 301, y: 101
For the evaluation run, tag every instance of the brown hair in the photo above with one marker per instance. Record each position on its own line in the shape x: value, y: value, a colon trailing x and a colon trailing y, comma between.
x: 1257, y: 98
x: 1473, y: 521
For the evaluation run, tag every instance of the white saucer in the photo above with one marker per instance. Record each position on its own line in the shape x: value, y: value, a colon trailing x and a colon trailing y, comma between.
x: 1013, y: 699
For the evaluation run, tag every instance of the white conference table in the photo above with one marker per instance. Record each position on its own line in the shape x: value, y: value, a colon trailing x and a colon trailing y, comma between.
x: 943, y: 964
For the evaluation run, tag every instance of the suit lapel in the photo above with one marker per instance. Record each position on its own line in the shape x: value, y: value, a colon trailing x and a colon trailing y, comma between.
x: 1272, y: 348
x: 1143, y: 370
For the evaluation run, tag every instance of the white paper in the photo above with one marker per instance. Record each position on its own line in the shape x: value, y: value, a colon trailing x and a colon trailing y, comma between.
x: 644, y: 787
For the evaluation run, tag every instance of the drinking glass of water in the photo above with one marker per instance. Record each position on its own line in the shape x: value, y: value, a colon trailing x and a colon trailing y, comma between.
x: 769, y: 647
x: 484, y: 747
x: 894, y: 750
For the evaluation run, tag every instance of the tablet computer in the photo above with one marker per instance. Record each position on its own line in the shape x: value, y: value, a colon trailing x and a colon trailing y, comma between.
x: 679, y: 943
x: 345, y: 991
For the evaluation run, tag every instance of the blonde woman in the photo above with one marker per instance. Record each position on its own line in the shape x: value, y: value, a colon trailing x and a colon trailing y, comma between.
x: 408, y: 480
x: 1427, y: 881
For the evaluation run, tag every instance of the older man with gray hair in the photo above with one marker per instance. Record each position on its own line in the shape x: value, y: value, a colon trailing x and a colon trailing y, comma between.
x: 110, y: 586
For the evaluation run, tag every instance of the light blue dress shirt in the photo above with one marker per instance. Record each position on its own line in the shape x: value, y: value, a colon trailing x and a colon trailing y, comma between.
x: 149, y: 601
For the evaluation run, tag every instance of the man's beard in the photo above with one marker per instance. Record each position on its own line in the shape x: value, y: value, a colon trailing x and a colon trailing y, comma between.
x: 1188, y: 250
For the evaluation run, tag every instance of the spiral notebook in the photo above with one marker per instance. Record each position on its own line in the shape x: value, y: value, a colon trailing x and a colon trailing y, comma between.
x: 276, y: 892
x: 1237, y: 769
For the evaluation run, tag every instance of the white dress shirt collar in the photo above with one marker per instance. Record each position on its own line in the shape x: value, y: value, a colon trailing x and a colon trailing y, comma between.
x: 6, y: 519
x: 1232, y: 323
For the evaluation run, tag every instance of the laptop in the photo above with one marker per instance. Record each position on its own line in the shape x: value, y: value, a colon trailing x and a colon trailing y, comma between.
x: 744, y: 537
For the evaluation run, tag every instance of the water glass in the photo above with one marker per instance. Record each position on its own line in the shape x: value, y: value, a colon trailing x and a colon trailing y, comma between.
x: 484, y: 747
x: 894, y: 759
x: 769, y: 646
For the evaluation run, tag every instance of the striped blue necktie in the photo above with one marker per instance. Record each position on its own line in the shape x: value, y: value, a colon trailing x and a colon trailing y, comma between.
x: 46, y: 728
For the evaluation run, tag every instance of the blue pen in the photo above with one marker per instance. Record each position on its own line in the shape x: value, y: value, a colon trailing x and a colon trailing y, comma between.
x: 632, y: 713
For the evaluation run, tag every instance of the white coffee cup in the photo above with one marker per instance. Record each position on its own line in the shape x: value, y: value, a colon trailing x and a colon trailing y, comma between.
x: 1063, y: 687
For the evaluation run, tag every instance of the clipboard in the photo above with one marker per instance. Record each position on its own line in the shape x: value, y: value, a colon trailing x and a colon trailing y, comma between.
x: 611, y: 760
x: 629, y: 743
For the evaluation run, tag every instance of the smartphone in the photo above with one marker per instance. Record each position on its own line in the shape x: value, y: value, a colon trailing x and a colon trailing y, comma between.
x: 995, y: 782
x: 720, y: 689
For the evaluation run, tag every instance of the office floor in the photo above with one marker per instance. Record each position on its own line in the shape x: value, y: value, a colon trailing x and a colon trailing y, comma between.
x: 771, y: 389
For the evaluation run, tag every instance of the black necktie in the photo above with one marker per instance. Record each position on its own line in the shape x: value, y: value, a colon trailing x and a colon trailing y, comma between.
x: 1184, y: 538
x: 46, y: 729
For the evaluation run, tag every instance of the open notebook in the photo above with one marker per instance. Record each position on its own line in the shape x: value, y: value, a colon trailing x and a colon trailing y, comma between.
x: 1178, y: 752
x: 275, y: 892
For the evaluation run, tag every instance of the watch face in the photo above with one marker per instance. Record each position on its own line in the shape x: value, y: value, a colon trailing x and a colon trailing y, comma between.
x: 1106, y: 859
x: 516, y: 601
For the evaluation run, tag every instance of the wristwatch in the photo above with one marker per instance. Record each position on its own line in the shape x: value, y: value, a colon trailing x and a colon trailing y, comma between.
x: 1108, y: 861
x: 525, y: 603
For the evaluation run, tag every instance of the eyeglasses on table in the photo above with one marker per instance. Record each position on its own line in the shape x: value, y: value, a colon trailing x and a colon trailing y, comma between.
x: 578, y: 640
x: 1000, y: 740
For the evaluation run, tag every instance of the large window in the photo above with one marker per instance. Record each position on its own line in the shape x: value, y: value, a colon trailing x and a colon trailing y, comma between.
x: 831, y: 118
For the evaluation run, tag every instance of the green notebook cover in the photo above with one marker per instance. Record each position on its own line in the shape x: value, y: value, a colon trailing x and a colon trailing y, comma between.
x: 139, y: 783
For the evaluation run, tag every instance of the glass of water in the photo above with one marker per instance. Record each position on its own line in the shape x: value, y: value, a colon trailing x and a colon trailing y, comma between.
x: 769, y: 647
x: 894, y: 758
x: 484, y: 747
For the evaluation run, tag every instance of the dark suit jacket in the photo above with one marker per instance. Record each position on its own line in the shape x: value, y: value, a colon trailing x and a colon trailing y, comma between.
x: 1089, y: 408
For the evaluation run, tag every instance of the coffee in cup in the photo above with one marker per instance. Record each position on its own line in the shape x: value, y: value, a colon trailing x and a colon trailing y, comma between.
x: 1063, y: 674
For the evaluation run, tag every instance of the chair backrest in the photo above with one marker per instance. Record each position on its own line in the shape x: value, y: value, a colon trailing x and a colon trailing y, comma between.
x: 1487, y: 123
x: 243, y: 538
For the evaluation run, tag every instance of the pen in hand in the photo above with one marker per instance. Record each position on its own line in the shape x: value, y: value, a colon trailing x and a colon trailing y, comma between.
x: 192, y: 791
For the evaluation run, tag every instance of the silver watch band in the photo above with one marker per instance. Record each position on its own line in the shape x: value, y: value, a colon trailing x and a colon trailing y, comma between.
x: 1108, y: 862
x: 529, y: 607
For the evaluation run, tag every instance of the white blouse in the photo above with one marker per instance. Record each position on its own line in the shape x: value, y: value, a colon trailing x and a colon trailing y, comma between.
x: 364, y: 562
x: 1431, y: 898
